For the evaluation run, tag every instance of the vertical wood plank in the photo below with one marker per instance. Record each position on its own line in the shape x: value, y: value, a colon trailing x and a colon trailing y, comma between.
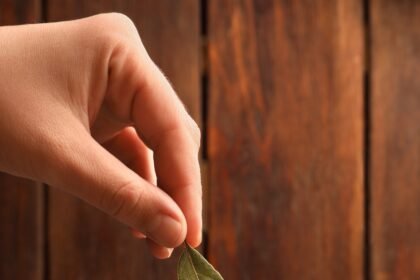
x: 395, y: 139
x: 21, y: 202
x: 286, y: 139
x: 21, y: 229
x: 84, y: 243
x: 19, y: 12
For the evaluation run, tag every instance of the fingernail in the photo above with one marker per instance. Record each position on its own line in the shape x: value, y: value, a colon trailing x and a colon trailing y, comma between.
x: 196, y: 239
x: 165, y: 231
x: 170, y: 250
x: 138, y: 234
x: 166, y: 252
x: 199, y: 238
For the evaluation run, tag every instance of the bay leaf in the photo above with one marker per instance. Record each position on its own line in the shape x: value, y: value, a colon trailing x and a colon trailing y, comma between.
x: 193, y: 266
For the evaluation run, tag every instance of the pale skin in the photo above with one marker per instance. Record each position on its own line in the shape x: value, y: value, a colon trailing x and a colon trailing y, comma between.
x: 82, y: 107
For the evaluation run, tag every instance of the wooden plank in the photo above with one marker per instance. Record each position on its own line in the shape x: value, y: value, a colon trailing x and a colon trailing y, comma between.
x: 286, y: 139
x: 21, y: 202
x: 395, y: 139
x: 19, y: 12
x: 84, y: 243
x: 21, y: 234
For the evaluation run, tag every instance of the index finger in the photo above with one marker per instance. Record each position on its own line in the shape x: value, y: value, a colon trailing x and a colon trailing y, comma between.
x: 165, y: 126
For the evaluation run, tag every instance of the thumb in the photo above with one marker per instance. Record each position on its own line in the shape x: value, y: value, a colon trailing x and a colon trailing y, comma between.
x: 91, y: 173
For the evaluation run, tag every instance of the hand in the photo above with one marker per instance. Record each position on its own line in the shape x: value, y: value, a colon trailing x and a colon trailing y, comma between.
x: 81, y: 103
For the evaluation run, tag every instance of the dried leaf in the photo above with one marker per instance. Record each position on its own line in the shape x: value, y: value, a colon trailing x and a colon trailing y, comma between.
x: 193, y: 266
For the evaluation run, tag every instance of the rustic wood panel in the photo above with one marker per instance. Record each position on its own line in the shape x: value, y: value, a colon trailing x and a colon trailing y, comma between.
x: 21, y: 229
x: 286, y: 139
x: 84, y: 243
x: 395, y: 139
x: 21, y: 208
x: 19, y: 12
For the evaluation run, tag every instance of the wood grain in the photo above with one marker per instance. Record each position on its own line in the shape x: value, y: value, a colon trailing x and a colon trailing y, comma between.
x: 395, y: 139
x: 84, y: 243
x: 21, y: 229
x: 21, y: 201
x: 286, y: 139
x: 19, y: 12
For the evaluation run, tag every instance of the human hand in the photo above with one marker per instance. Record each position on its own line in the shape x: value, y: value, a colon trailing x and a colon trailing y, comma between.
x: 81, y: 103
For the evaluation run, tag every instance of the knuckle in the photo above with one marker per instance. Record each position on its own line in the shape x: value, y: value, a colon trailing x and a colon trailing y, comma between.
x: 119, y: 24
x: 122, y: 21
x: 116, y: 19
x: 111, y: 28
x: 195, y: 132
x: 123, y: 200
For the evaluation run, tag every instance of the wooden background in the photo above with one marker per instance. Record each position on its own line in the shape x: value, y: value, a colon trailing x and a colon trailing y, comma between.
x: 310, y: 112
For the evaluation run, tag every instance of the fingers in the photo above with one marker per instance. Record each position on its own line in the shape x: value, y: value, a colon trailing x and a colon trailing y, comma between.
x: 138, y: 234
x: 174, y: 146
x: 165, y: 126
x: 131, y: 151
x: 127, y: 147
x: 93, y: 174
x: 159, y: 251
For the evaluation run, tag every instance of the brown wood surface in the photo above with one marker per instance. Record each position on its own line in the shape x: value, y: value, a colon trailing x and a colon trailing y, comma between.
x: 395, y: 139
x: 286, y: 139
x: 19, y: 12
x: 84, y: 243
x: 21, y: 229
x: 21, y: 201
